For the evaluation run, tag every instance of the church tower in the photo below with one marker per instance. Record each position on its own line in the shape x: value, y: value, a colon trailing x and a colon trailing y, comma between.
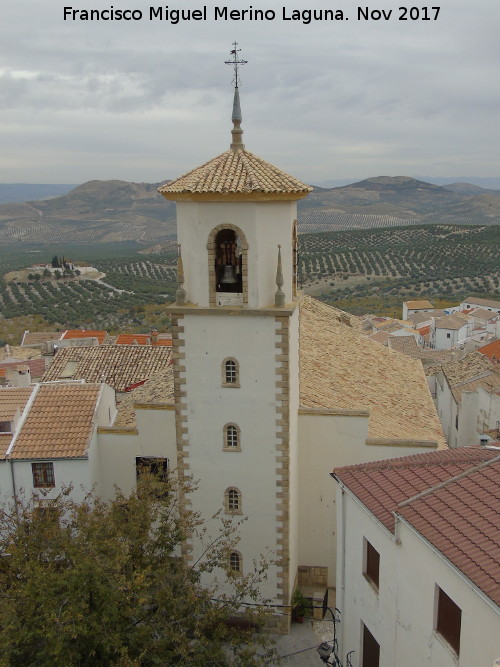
x: 236, y: 350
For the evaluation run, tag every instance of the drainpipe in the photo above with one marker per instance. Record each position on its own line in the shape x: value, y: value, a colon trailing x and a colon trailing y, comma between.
x: 14, y: 492
x: 341, y: 552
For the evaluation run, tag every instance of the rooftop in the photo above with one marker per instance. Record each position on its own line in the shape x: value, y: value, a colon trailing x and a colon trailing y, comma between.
x: 11, y: 400
x: 415, y: 305
x: 454, y: 322
x: 59, y: 422
x: 85, y: 333
x: 143, y: 339
x: 342, y: 368
x: 488, y: 303
x: 158, y: 390
x: 471, y: 372
x: 120, y: 366
x: 235, y: 172
x: 491, y: 350
x: 451, y: 497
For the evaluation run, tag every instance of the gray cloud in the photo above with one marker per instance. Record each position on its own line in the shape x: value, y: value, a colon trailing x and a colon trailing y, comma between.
x: 148, y: 100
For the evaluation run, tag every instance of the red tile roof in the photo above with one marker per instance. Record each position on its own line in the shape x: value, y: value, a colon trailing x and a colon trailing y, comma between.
x: 142, y: 339
x: 85, y: 333
x: 451, y: 497
x: 491, y: 350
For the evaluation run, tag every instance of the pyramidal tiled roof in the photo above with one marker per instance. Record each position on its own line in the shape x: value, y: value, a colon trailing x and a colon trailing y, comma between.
x: 235, y: 172
x: 450, y: 497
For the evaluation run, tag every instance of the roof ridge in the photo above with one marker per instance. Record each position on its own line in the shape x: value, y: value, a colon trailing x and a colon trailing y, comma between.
x: 451, y: 480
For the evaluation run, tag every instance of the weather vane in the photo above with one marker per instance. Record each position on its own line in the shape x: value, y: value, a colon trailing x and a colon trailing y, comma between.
x: 235, y: 62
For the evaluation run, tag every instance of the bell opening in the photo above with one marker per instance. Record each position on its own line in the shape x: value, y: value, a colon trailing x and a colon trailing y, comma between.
x: 228, y: 262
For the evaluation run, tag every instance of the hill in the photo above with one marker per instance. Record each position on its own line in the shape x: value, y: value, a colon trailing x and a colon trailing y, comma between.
x: 117, y: 211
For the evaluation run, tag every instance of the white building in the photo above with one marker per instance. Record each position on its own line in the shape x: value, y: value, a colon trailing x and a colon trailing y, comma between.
x: 446, y: 332
x: 468, y: 398
x: 473, y: 302
x: 413, y: 307
x: 419, y: 560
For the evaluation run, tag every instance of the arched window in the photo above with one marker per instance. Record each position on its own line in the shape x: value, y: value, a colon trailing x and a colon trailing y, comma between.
x: 227, y: 266
x: 230, y: 373
x: 232, y: 501
x: 232, y: 438
x: 235, y: 561
x: 228, y: 262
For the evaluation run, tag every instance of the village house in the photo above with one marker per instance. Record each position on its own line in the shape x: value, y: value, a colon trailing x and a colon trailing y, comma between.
x: 419, y: 560
x: 472, y: 302
x: 414, y: 307
x: 468, y: 398
x: 446, y: 332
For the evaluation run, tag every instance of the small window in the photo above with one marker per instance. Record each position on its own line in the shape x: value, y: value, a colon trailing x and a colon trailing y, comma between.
x: 449, y: 620
x: 371, y: 649
x: 43, y: 475
x: 155, y: 467
x: 232, y: 438
x: 48, y: 511
x: 230, y: 373
x: 232, y: 501
x: 371, y: 567
x: 448, y: 335
x: 235, y: 561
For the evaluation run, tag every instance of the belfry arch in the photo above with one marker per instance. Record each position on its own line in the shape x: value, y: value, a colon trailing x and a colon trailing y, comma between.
x: 227, y: 263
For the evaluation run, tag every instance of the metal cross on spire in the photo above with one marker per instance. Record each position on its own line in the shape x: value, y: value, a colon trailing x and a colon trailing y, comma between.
x: 236, y: 62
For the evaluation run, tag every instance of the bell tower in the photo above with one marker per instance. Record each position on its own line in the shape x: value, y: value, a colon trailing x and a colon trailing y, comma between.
x: 235, y: 337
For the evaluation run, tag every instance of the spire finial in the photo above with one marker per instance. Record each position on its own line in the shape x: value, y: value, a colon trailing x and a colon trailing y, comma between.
x: 180, y: 295
x: 279, y: 296
x: 236, y: 132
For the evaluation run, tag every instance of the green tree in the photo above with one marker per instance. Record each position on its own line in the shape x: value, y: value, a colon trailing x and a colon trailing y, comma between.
x: 101, y: 584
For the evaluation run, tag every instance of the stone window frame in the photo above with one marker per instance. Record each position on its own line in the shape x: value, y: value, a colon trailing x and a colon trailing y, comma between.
x: 235, y: 562
x: 232, y: 432
x: 224, y: 370
x: 233, y: 500
x: 211, y: 261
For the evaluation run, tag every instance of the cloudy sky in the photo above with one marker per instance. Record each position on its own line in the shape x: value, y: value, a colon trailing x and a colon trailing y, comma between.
x: 147, y: 100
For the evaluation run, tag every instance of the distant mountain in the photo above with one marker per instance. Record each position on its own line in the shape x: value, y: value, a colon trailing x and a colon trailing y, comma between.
x: 104, y: 211
x: 97, y: 211
x: 489, y: 183
x: 21, y: 192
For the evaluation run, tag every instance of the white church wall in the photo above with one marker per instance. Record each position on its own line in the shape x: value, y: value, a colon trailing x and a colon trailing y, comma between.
x: 195, y: 221
x: 117, y: 451
x: 328, y: 441
x: 295, y: 466
x: 209, y: 339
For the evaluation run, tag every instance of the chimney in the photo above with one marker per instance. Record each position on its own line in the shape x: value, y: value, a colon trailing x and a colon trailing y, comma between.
x: 154, y: 336
x: 484, y: 439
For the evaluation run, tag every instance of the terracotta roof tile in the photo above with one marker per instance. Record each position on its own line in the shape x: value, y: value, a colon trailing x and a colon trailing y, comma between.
x: 488, y: 303
x: 59, y: 422
x: 120, y: 366
x: 85, y: 333
x: 37, y: 337
x: 491, y: 350
x: 340, y: 368
x: 143, y: 339
x: 413, y: 305
x: 235, y: 172
x: 451, y: 497
x: 13, y: 399
x: 158, y: 390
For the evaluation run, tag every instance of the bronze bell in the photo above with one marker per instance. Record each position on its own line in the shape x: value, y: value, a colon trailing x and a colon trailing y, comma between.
x: 229, y: 275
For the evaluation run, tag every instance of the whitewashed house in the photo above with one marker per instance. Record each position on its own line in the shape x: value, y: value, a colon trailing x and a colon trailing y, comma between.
x: 418, y: 574
x: 488, y: 304
x: 446, y: 332
x: 414, y: 307
x: 468, y: 398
